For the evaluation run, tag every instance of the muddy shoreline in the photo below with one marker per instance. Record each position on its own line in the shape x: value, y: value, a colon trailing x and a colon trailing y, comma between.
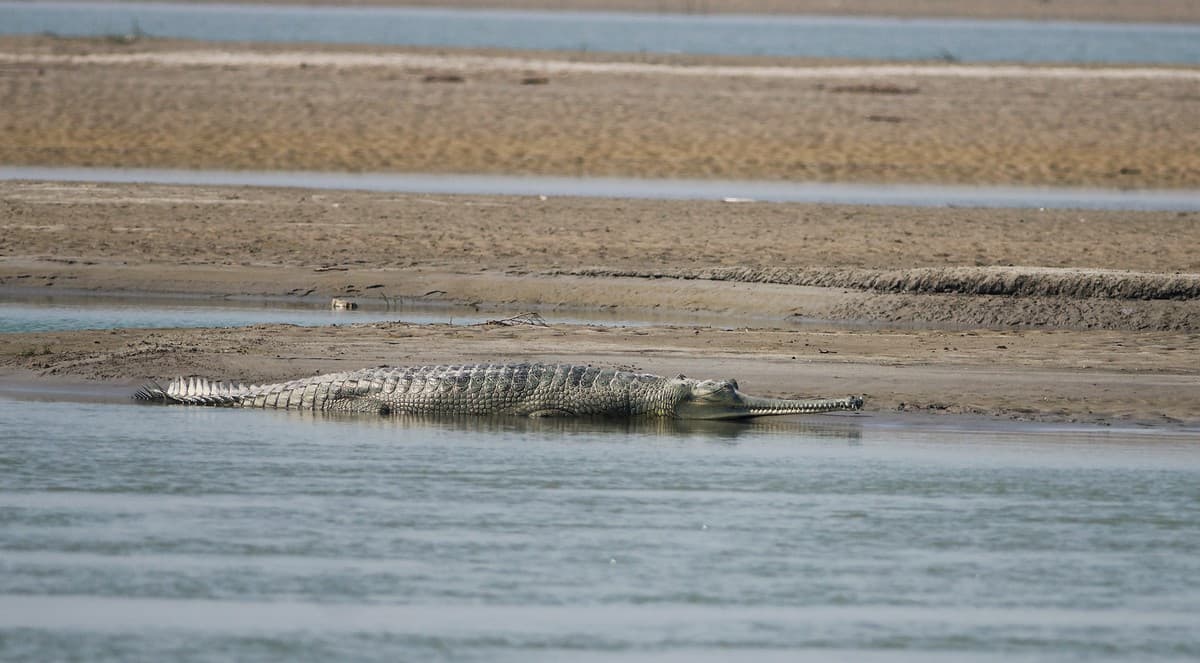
x: 1080, y: 377
x: 950, y: 267
x: 1086, y: 346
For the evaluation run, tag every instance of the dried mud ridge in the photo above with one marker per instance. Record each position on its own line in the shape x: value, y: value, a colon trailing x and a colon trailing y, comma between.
x: 1032, y: 296
x: 1011, y: 281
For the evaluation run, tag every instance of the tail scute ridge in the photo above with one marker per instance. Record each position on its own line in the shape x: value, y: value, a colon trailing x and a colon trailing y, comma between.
x: 193, y: 391
x: 151, y: 391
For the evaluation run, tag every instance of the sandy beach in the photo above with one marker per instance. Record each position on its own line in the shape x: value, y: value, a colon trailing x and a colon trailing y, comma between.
x: 157, y: 103
x: 1048, y: 315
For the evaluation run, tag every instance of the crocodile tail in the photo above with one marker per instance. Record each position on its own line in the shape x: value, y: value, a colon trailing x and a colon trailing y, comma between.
x: 193, y: 391
x: 153, y: 392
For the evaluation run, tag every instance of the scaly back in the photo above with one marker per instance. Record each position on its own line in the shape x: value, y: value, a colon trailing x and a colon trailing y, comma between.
x: 481, y: 389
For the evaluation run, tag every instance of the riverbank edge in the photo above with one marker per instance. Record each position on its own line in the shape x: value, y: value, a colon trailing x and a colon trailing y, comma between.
x: 1096, y: 378
x: 23, y: 385
x: 920, y: 298
x: 507, y: 255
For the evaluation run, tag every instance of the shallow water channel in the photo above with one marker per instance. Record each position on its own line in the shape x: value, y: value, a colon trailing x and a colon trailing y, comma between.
x: 738, y: 191
x: 21, y: 312
x: 180, y: 533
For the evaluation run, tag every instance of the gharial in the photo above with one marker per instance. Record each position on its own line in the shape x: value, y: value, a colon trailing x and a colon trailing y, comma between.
x: 531, y: 390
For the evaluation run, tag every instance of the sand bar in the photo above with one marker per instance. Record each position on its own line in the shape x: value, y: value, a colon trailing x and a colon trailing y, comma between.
x: 496, y: 63
x: 188, y: 105
x: 1092, y: 343
x: 1051, y: 315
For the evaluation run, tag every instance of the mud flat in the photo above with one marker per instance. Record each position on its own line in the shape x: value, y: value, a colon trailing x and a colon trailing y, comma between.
x: 1095, y: 320
x: 1071, y: 269
x: 1103, y: 378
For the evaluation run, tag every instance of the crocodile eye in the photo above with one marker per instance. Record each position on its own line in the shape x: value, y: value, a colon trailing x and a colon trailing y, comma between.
x: 709, y: 388
x: 732, y: 384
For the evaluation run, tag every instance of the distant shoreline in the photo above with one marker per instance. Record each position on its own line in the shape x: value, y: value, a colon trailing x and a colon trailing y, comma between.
x: 1161, y: 11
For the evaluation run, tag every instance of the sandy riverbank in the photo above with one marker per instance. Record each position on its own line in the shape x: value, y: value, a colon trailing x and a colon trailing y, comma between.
x: 1134, y: 364
x: 189, y: 105
x: 1102, y: 378
x: 1049, y: 315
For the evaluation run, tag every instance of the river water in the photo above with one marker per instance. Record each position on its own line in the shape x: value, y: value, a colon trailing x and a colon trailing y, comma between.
x: 25, y: 313
x: 131, y: 532
x: 173, y: 533
x: 738, y: 191
x: 801, y: 36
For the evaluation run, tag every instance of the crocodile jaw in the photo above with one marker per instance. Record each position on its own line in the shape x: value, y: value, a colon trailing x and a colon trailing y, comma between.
x: 760, y: 407
x: 720, y: 399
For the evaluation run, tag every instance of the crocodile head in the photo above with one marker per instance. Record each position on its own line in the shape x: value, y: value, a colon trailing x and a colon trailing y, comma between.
x: 721, y: 399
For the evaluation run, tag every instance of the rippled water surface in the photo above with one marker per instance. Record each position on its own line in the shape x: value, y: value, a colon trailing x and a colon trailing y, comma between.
x: 134, y: 532
x: 812, y: 36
